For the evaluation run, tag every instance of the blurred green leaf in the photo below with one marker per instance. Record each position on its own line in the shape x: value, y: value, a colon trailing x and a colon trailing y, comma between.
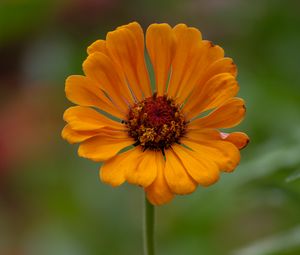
x: 275, y: 244
x: 294, y: 176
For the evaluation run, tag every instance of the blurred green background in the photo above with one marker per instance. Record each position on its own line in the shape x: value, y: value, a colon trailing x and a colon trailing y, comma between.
x: 51, y: 201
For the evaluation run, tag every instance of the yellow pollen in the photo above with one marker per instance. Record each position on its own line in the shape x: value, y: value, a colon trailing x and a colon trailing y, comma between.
x: 156, y: 123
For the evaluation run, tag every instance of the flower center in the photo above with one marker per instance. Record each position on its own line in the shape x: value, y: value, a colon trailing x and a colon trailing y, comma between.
x: 156, y: 123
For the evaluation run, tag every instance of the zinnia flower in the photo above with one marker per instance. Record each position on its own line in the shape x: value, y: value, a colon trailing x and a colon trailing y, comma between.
x: 166, y: 140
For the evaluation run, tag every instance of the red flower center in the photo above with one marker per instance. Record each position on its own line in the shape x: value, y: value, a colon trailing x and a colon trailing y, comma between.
x: 156, y: 123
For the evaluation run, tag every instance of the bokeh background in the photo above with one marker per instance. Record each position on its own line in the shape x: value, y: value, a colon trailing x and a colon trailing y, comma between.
x: 51, y: 201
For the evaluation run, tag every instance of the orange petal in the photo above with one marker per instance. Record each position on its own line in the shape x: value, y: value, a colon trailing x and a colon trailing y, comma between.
x: 160, y: 45
x: 225, y: 154
x: 113, y: 170
x: 210, y: 53
x: 222, y: 65
x: 85, y: 119
x: 186, y: 61
x: 227, y: 115
x: 215, y: 92
x: 108, y: 76
x: 97, y: 46
x: 126, y: 47
x: 158, y: 192
x: 176, y: 175
x: 85, y: 92
x: 201, y: 169
x: 239, y: 139
x: 203, y: 134
x: 73, y: 136
x: 103, y: 147
x: 145, y: 171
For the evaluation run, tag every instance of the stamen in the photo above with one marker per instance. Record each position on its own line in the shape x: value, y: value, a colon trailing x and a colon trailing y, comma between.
x: 156, y: 123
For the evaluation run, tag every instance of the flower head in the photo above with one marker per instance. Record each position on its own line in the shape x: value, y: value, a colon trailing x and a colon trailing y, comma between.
x: 166, y: 140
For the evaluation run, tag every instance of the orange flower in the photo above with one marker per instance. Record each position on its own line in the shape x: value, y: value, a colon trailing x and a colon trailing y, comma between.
x: 156, y: 139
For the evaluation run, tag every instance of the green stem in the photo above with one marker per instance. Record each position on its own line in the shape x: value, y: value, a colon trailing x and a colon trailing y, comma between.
x: 148, y: 228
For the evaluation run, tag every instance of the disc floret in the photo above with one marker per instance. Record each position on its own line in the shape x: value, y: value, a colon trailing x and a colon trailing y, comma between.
x: 156, y: 122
